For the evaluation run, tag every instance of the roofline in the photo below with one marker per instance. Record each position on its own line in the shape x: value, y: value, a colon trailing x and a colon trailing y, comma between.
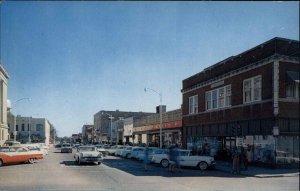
x: 240, y: 54
x: 4, y: 71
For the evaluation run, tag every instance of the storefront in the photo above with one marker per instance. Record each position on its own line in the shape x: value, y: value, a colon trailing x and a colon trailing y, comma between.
x: 259, y: 149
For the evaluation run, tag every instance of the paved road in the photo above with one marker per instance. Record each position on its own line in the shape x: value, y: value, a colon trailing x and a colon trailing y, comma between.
x: 59, y: 172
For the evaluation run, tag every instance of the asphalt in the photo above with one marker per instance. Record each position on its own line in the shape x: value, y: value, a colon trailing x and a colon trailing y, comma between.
x: 259, y: 172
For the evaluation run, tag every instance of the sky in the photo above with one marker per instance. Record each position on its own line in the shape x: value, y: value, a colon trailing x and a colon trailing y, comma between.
x: 73, y: 59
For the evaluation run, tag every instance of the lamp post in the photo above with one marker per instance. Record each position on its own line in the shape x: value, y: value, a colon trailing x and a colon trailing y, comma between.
x: 15, y: 118
x: 111, y: 118
x: 160, y: 114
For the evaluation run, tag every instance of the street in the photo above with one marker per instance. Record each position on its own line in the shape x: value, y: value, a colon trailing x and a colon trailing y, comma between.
x: 58, y: 171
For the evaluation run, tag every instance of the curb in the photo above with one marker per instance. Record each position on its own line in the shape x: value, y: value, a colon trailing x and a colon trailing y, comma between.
x: 262, y: 175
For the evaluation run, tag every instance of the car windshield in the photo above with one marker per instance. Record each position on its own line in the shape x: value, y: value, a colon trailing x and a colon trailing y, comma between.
x: 87, y: 148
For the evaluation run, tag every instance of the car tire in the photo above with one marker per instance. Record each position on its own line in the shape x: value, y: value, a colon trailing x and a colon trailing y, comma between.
x: 164, y: 163
x: 128, y: 156
x: 1, y: 162
x: 99, y: 163
x: 31, y: 160
x: 202, y: 165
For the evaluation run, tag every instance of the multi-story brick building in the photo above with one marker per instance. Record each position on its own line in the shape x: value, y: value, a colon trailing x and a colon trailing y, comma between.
x: 250, y: 100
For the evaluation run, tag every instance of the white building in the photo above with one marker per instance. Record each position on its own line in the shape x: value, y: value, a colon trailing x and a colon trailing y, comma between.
x: 3, y: 106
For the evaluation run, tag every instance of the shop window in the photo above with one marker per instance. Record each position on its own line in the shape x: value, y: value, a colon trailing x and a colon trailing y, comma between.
x: 252, y: 89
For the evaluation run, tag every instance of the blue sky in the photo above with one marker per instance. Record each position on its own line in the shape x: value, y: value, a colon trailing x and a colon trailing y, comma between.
x: 73, y: 59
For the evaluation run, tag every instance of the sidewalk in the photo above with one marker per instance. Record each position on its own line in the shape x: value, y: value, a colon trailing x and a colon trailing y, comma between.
x: 258, y: 171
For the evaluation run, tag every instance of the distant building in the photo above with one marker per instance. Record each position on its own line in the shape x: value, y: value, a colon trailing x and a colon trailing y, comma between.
x: 88, y: 134
x: 77, y: 138
x: 102, y: 123
x: 250, y: 100
x: 146, y: 130
x: 29, y: 129
x: 4, y: 135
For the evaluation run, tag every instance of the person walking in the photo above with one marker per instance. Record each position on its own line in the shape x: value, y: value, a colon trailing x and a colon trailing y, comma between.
x: 235, y: 161
x: 146, y: 158
x: 171, y: 156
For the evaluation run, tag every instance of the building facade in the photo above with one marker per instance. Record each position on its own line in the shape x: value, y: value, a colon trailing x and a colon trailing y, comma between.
x: 29, y: 129
x: 88, y: 134
x: 4, y: 135
x: 248, y: 101
x: 103, y: 121
x: 146, y: 130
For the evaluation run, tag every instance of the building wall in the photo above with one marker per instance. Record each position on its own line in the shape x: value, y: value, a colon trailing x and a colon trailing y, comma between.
x: 4, y: 135
x: 39, y: 129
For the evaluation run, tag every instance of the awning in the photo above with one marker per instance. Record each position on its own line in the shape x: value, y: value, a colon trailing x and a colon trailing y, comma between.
x: 293, y: 75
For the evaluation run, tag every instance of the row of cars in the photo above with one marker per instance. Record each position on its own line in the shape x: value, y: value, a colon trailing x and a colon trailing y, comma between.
x: 15, y: 152
x: 161, y: 156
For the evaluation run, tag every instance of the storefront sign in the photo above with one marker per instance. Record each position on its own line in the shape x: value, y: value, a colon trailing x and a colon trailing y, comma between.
x: 172, y: 124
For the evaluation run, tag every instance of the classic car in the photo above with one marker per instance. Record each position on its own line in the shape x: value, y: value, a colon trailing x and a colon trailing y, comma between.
x: 66, y: 148
x: 151, y: 150
x: 135, y: 152
x: 101, y: 149
x: 185, y: 158
x: 119, y: 150
x: 126, y: 152
x: 35, y: 147
x: 112, y: 150
x: 85, y: 154
x: 16, y: 154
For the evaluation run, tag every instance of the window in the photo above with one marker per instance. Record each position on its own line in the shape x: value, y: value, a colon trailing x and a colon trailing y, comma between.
x: 208, y: 100
x: 39, y: 127
x: 292, y: 90
x: 23, y: 127
x: 193, y: 104
x: 214, y: 99
x: 17, y: 128
x: 252, y: 89
x: 218, y: 98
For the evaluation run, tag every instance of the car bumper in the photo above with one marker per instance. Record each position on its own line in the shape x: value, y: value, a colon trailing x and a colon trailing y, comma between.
x: 91, y: 159
x: 66, y: 150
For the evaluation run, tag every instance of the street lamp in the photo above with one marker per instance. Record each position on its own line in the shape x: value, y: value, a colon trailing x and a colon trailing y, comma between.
x: 160, y: 114
x: 15, y: 119
x: 111, y: 118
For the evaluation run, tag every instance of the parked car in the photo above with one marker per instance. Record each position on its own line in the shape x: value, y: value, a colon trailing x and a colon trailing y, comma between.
x: 101, y: 149
x: 126, y: 152
x: 151, y: 150
x: 135, y: 152
x: 112, y: 150
x: 185, y: 158
x: 17, y: 154
x: 66, y: 148
x: 119, y: 150
x: 88, y: 154
x: 36, y: 147
x: 11, y: 143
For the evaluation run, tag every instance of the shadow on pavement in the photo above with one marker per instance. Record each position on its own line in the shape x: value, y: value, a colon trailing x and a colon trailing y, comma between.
x: 73, y: 163
x: 136, y: 168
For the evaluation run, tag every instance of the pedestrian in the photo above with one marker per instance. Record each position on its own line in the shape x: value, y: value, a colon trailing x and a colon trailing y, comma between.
x: 235, y: 162
x: 171, y: 155
x: 146, y: 158
x: 177, y: 161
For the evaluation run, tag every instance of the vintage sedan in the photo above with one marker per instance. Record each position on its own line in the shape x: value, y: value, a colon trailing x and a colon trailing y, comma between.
x: 15, y: 154
x: 66, y: 148
x: 185, y: 158
x: 86, y: 154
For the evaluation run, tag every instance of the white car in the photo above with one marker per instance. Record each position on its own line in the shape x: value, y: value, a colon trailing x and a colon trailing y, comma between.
x: 126, y: 152
x: 88, y: 154
x: 101, y: 149
x: 151, y: 151
x: 35, y: 147
x: 185, y: 158
x: 136, y: 151
x: 119, y: 150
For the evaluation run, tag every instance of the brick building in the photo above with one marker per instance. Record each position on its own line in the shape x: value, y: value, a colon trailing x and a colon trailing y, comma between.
x: 250, y: 100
